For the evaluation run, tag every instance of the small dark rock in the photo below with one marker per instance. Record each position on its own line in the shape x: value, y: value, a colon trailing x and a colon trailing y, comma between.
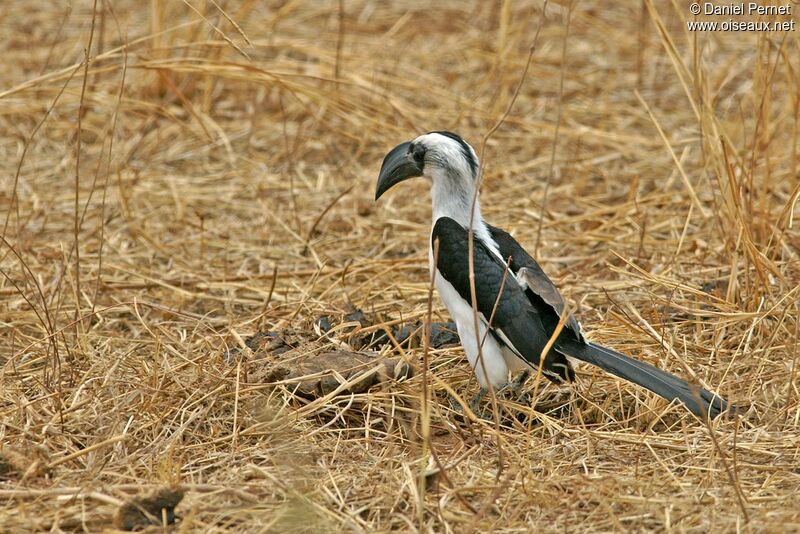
x: 12, y: 463
x: 403, y: 333
x: 443, y: 334
x: 708, y: 287
x: 714, y: 287
x: 376, y: 338
x: 357, y: 316
x: 148, y: 510
x: 256, y: 340
x: 324, y: 323
x: 268, y: 341
x: 231, y: 354
x: 260, y: 341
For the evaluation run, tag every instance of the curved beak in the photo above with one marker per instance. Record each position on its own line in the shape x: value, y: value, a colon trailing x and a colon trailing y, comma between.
x: 398, y: 165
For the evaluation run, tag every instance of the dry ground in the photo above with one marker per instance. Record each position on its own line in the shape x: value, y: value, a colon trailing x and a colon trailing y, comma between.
x: 210, y: 172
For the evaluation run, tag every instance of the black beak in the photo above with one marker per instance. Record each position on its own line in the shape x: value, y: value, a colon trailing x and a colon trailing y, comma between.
x: 398, y: 165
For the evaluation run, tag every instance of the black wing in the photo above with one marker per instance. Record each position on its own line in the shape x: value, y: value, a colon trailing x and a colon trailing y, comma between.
x: 543, y: 293
x: 541, y: 290
x: 518, y: 321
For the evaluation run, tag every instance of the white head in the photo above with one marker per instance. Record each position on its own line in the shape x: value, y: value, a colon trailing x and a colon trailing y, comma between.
x: 447, y: 161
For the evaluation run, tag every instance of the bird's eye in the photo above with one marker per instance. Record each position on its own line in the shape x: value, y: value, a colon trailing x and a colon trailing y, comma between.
x: 418, y: 153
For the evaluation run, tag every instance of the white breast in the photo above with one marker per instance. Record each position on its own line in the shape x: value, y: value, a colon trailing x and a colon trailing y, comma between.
x: 494, y: 370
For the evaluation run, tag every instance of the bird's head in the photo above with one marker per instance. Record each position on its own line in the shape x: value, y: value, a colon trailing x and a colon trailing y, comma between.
x: 442, y: 157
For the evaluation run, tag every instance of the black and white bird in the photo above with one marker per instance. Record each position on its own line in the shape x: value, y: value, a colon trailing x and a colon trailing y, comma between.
x: 517, y: 304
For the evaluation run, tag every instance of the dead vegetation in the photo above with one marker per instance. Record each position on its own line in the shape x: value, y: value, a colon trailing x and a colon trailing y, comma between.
x: 208, y: 174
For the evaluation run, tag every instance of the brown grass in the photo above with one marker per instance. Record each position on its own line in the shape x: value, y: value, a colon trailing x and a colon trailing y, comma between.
x: 197, y: 181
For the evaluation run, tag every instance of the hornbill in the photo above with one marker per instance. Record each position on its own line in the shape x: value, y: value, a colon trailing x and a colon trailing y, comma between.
x: 517, y: 304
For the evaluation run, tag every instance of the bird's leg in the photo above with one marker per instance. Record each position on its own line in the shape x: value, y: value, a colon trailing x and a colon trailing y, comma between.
x: 476, y: 400
x: 473, y: 404
x: 455, y: 405
x: 517, y: 385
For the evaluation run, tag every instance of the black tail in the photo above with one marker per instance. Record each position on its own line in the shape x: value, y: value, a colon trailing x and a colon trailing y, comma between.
x: 699, y: 401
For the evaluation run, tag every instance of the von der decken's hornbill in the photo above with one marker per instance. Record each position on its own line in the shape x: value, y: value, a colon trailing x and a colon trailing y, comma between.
x: 510, y: 288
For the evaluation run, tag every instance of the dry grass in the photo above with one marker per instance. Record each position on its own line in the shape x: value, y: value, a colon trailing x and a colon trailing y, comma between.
x: 224, y: 186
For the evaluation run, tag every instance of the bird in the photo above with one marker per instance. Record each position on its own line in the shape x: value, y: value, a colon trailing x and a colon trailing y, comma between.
x: 518, y: 307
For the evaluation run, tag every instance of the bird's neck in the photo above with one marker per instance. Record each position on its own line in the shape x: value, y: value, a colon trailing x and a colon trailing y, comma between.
x: 453, y: 198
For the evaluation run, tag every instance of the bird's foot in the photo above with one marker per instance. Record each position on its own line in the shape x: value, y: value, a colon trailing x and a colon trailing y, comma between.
x: 511, y: 391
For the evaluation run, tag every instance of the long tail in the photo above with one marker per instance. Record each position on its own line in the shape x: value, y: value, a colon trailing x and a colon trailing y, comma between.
x: 699, y: 401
